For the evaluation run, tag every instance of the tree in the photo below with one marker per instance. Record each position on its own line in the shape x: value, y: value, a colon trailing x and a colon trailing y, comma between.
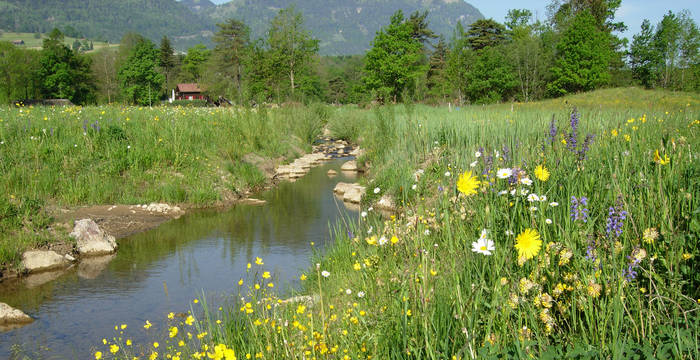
x: 232, y: 46
x: 421, y: 31
x: 292, y: 50
x: 459, y: 61
x: 139, y: 80
x: 490, y: 79
x: 437, y: 80
x: 676, y: 42
x: 18, y: 73
x: 192, y: 64
x: 484, y: 33
x: 644, y: 59
x: 393, y: 62
x: 104, y: 67
x: 527, y: 54
x: 166, y: 58
x: 583, y: 57
x: 64, y: 74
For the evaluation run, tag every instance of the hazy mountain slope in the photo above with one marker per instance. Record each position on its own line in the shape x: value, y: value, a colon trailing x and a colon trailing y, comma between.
x: 107, y: 19
x: 347, y: 26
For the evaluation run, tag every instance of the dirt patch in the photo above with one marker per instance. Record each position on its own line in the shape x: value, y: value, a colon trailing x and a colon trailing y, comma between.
x: 117, y: 220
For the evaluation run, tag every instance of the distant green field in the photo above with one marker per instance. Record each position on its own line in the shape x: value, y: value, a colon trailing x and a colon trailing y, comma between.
x: 31, y: 42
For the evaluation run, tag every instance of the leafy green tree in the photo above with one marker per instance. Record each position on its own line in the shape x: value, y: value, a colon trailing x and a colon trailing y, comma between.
x: 527, y: 54
x: 459, y: 61
x: 166, y: 59
x: 644, y: 59
x: 490, y: 79
x: 193, y: 63
x: 676, y: 42
x: 18, y: 73
x: 64, y: 74
x: 228, y: 57
x: 291, y: 52
x: 437, y: 80
x: 140, y: 81
x: 393, y: 63
x: 485, y: 33
x: 104, y: 67
x: 583, y: 57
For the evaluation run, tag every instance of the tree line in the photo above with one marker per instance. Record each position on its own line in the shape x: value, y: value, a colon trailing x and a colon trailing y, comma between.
x: 575, y: 49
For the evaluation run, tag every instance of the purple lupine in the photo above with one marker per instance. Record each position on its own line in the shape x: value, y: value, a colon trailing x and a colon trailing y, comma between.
x: 585, y: 147
x: 615, y: 221
x: 571, y: 142
x: 579, y: 209
x: 506, y: 153
x: 630, y: 273
x: 85, y: 123
x: 552, y: 131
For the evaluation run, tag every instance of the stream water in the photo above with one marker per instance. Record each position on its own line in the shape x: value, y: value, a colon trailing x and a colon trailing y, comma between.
x: 164, y: 269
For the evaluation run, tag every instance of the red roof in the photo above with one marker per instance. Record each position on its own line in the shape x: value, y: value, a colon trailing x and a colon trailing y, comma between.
x: 188, y: 88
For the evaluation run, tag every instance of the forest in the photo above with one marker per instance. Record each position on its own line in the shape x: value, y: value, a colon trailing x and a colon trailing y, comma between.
x: 576, y: 49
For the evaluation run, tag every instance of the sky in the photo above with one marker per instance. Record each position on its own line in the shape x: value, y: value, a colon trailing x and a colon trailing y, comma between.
x: 632, y: 12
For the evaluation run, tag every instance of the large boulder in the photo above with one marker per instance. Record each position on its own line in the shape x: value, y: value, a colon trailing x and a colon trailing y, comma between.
x: 91, y: 240
x: 40, y: 260
x: 11, y: 317
x: 350, y: 166
x: 354, y: 194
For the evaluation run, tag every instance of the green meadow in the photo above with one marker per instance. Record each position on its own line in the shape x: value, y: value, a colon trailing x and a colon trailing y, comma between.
x: 557, y: 229
x: 32, y: 42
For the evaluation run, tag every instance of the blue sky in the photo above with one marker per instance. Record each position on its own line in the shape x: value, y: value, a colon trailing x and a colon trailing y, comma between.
x: 632, y: 12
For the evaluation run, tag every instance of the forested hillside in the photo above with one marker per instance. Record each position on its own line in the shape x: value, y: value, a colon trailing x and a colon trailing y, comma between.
x: 107, y: 19
x: 347, y: 26
x: 343, y: 26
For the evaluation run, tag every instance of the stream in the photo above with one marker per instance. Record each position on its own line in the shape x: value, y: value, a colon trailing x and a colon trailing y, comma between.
x: 163, y: 270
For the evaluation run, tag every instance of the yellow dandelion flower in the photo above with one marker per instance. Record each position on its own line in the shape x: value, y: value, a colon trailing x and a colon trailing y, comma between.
x: 541, y: 173
x: 113, y: 349
x: 301, y: 309
x: 394, y: 240
x: 467, y: 184
x: 98, y: 355
x: 357, y: 266
x: 128, y: 342
x: 302, y: 277
x: 528, y: 244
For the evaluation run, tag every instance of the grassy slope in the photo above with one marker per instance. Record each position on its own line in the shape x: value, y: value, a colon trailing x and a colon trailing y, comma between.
x: 427, y: 295
x: 103, y: 155
x: 33, y: 43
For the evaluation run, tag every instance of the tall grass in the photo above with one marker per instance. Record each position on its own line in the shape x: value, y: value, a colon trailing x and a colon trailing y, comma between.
x: 411, y: 286
x: 65, y: 156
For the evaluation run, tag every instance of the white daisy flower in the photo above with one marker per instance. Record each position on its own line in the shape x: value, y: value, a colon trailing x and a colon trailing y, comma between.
x: 512, y: 192
x: 533, y: 208
x: 504, y: 173
x: 526, y: 181
x: 383, y: 240
x: 415, y: 186
x: 533, y: 197
x: 502, y: 192
x: 483, y: 246
x: 554, y: 204
x: 473, y: 164
x: 377, y: 190
x: 477, y: 154
x: 363, y: 214
x: 325, y: 273
x: 348, y: 291
x: 543, y: 198
x: 524, y: 192
x: 548, y: 221
x: 509, y: 233
x: 361, y: 294
x: 447, y: 174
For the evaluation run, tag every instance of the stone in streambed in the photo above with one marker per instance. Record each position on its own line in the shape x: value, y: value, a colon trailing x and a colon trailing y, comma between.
x: 91, y: 240
x: 11, y: 318
x: 40, y: 260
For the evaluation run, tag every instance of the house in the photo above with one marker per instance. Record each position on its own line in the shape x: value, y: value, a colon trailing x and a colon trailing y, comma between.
x: 18, y: 42
x: 188, y: 92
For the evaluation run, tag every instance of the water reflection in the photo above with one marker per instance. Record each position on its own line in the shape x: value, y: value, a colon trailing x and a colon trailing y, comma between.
x: 205, y: 251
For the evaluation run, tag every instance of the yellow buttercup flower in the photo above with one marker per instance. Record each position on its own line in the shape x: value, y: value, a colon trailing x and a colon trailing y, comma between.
x: 98, y: 355
x: 113, y: 349
x: 528, y: 244
x: 541, y: 173
x: 258, y: 261
x: 659, y: 160
x: 467, y: 184
x: 173, y: 331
